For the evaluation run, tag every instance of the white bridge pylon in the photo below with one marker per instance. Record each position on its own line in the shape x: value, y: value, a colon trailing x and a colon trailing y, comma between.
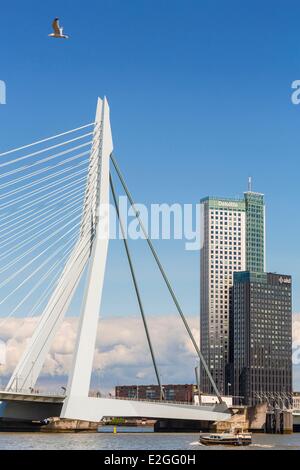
x: 89, y: 251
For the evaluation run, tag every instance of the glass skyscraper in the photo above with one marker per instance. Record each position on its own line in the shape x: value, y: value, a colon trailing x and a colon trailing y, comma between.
x: 255, y: 232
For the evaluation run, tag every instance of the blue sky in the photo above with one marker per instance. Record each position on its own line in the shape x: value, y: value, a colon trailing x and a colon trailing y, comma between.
x: 200, y: 99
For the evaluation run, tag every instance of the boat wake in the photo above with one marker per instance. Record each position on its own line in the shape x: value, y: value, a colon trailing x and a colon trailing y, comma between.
x: 263, y: 446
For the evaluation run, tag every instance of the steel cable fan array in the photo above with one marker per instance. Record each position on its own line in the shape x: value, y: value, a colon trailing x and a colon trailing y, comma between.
x: 42, y: 190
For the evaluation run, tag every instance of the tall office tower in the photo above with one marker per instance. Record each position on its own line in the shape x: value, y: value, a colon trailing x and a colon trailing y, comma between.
x: 261, y: 339
x: 232, y: 238
x: 222, y: 252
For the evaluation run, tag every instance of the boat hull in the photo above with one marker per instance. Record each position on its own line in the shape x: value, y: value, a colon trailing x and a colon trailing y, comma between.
x: 296, y: 421
x: 226, y: 441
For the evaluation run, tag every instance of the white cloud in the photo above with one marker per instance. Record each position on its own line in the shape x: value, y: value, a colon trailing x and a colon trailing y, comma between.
x: 296, y: 329
x: 121, y: 354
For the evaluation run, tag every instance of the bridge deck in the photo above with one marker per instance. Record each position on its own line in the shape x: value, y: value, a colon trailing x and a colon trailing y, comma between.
x: 41, y: 406
x: 94, y: 409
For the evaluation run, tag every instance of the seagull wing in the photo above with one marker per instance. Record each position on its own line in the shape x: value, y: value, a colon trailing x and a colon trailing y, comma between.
x: 55, y: 26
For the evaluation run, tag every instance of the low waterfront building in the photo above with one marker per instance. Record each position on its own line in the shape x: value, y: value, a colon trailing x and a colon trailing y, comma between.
x: 296, y: 411
x: 212, y: 399
x: 171, y: 392
x: 261, y: 338
x: 296, y: 401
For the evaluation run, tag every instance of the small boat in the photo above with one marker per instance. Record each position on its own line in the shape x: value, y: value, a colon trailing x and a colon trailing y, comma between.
x: 233, y: 438
x: 296, y: 420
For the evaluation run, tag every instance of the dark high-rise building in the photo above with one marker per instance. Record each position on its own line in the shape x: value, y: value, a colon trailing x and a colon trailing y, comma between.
x: 261, y: 337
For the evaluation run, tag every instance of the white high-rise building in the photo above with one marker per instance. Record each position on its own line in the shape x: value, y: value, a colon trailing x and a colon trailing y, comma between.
x: 222, y: 252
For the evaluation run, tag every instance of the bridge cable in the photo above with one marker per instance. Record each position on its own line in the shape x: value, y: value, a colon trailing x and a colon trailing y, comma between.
x: 46, y: 140
x: 43, y: 151
x: 86, y: 245
x: 56, y: 268
x: 44, y: 160
x: 43, y: 170
x: 31, y: 238
x: 40, y: 281
x: 136, y: 286
x: 27, y: 205
x: 41, y: 180
x: 50, y: 193
x: 44, y: 198
x: 40, y: 216
x: 15, y: 274
x: 39, y: 190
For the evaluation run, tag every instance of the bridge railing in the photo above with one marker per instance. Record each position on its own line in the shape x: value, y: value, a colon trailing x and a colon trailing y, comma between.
x: 168, y: 402
x: 34, y: 392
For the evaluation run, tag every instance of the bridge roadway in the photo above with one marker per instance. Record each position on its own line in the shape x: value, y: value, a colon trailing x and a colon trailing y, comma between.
x: 40, y: 406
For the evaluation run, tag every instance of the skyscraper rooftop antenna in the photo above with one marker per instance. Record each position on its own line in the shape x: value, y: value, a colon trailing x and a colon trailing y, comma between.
x: 250, y: 184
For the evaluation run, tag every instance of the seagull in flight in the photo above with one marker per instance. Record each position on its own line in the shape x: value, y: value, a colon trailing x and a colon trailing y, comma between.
x: 58, y: 30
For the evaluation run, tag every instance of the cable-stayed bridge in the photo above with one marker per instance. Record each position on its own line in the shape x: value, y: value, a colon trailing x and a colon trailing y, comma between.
x: 54, y: 203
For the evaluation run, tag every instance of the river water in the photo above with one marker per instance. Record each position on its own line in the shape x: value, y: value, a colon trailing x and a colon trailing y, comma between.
x: 134, y: 439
